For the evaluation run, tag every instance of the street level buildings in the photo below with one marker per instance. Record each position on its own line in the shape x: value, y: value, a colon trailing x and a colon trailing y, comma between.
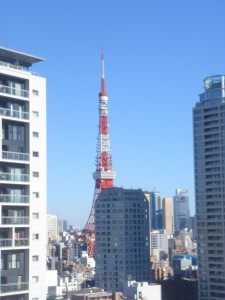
x: 122, y: 238
x: 22, y: 178
x: 209, y: 157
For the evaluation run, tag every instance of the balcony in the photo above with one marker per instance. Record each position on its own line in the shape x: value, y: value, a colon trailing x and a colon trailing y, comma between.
x: 14, y: 91
x: 14, y: 177
x: 21, y: 68
x: 14, y: 198
x: 15, y: 155
x: 15, y: 220
x: 13, y: 287
x: 5, y: 242
x: 21, y: 242
x: 14, y: 113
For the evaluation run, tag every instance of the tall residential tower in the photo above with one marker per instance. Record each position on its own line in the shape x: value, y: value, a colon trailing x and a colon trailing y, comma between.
x: 22, y: 178
x: 122, y: 238
x: 209, y: 157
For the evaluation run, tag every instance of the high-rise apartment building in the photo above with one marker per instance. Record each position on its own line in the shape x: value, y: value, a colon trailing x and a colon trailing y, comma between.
x: 168, y: 215
x: 121, y: 238
x: 52, y: 226
x: 209, y: 156
x: 22, y: 178
x: 181, y: 209
x: 156, y: 210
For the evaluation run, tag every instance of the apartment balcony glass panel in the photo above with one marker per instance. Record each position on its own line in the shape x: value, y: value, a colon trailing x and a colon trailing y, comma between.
x: 14, y: 287
x: 21, y: 242
x: 14, y: 91
x: 5, y: 242
x: 15, y: 220
x: 14, y: 113
x: 14, y: 177
x: 14, y: 198
x: 15, y: 155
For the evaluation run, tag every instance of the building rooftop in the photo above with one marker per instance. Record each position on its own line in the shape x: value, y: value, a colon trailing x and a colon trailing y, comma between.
x: 20, y: 57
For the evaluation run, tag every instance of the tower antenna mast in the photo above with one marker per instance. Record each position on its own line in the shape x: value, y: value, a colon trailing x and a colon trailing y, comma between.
x: 104, y: 175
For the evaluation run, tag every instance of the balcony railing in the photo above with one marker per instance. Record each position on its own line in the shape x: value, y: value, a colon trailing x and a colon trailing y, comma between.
x: 14, y: 177
x: 15, y: 220
x: 5, y: 242
x: 15, y: 155
x: 14, y: 113
x: 8, y: 65
x: 21, y: 242
x: 13, y: 287
x: 14, y: 198
x: 13, y: 91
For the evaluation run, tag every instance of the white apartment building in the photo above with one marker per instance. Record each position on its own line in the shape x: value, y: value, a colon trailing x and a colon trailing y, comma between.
x: 22, y: 178
x: 159, y: 243
x: 52, y: 226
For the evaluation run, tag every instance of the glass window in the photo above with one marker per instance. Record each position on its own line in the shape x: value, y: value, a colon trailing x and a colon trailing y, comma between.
x: 198, y: 118
x: 35, y: 215
x: 13, y: 261
x: 35, y: 194
x: 35, y: 174
x: 35, y: 92
x: 35, y: 114
x: 197, y: 131
x: 35, y: 236
x: 35, y: 154
x: 35, y: 279
x: 198, y: 111
x: 35, y: 258
x: 198, y: 124
x: 15, y: 133
x: 35, y: 134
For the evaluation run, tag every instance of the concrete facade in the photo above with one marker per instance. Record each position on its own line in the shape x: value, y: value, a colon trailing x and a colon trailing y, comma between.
x: 209, y: 154
x: 122, y: 238
x: 22, y: 177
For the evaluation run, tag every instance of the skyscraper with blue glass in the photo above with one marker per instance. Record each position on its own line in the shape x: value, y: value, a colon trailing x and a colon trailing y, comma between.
x: 209, y: 159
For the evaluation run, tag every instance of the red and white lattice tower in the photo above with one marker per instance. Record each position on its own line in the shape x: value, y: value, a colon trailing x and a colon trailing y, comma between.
x: 104, y: 174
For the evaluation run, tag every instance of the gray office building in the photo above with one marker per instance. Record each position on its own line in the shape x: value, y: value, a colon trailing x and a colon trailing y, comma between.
x: 209, y: 157
x: 121, y: 238
x: 181, y: 209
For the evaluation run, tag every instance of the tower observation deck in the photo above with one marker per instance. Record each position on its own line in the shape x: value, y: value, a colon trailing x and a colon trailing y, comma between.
x: 103, y: 175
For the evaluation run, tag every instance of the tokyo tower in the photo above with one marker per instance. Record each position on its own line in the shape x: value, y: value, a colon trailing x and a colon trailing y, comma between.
x: 104, y: 175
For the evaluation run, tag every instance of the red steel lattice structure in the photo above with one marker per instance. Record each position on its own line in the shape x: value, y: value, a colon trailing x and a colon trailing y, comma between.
x: 104, y: 175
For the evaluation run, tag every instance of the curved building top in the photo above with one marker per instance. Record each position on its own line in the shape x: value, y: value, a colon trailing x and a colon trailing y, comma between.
x: 214, y: 91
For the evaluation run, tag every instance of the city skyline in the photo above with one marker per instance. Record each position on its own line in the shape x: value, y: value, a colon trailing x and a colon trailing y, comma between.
x: 156, y: 57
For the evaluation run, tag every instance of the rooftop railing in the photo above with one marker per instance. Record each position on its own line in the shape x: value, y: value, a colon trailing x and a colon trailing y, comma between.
x: 15, y: 155
x: 14, y: 113
x: 11, y: 66
x: 14, y: 91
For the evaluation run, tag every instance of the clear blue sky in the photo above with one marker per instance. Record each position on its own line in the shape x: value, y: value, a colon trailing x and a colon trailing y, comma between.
x: 156, y: 56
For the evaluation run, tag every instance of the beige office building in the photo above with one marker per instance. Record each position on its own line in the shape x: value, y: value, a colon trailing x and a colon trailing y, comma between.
x: 168, y: 215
